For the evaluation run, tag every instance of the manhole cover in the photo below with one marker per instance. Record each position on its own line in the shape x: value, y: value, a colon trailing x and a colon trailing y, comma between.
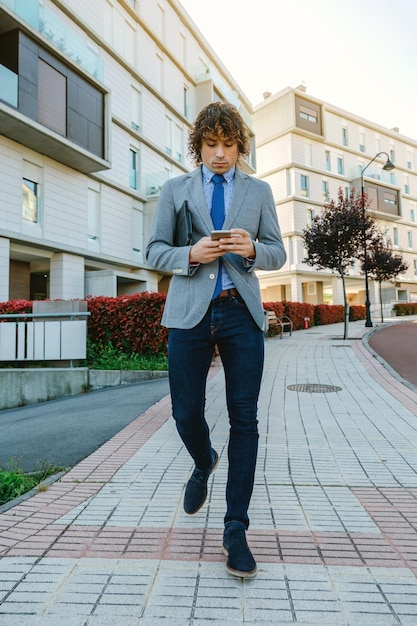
x: 313, y: 388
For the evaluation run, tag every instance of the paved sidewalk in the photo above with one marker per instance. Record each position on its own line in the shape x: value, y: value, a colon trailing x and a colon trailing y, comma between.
x: 333, y: 515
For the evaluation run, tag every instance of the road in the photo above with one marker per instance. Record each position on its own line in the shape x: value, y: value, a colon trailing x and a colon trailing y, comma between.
x: 67, y: 430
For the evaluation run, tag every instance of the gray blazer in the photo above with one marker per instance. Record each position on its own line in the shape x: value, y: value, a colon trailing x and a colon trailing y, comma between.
x: 191, y: 288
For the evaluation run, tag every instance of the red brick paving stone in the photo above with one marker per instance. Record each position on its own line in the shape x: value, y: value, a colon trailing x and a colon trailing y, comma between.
x: 184, y: 544
x: 299, y: 549
x: 5, y: 544
x: 212, y: 547
x: 147, y: 543
x: 265, y: 545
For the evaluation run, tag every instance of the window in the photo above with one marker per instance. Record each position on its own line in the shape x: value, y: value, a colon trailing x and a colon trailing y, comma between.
x: 390, y: 198
x: 30, y: 195
x: 310, y: 217
x: 325, y: 190
x: 119, y: 32
x: 340, y: 168
x: 168, y: 135
x: 392, y: 154
x: 311, y: 289
x: 186, y: 102
x: 410, y: 238
x: 52, y: 98
x: 328, y: 161
x: 289, y: 182
x: 415, y: 267
x: 137, y: 230
x: 178, y: 143
x: 159, y: 60
x: 161, y: 22
x: 304, y: 185
x: 308, y: 114
x: 93, y: 212
x: 362, y: 141
x: 183, y: 49
x: 135, y: 108
x: 406, y: 185
x: 409, y: 160
x: 133, y: 169
x: 412, y: 215
x: 395, y: 236
x: 344, y: 135
x: 174, y: 142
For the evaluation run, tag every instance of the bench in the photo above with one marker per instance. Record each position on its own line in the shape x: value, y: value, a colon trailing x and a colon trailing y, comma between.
x: 284, y: 322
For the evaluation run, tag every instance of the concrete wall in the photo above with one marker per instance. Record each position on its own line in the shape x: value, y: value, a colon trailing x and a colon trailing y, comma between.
x: 29, y: 386
x: 19, y: 387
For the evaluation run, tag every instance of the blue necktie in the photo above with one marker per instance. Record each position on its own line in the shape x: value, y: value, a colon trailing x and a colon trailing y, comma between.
x: 217, y: 215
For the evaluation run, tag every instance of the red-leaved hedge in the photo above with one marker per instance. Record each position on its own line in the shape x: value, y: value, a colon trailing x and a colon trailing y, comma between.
x: 357, y: 312
x: 16, y: 306
x: 405, y: 308
x: 131, y: 323
x: 296, y: 311
x: 328, y: 314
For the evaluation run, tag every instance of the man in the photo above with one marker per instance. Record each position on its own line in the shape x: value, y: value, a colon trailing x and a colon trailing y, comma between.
x: 214, y: 298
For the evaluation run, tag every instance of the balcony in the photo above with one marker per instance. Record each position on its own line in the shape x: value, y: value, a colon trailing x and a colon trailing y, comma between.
x: 36, y: 83
x: 37, y: 137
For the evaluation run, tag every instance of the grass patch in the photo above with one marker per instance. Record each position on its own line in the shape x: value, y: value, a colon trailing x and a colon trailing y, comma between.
x: 14, y: 481
x: 109, y: 358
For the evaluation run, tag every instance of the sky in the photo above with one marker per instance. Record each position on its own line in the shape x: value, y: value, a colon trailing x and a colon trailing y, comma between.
x: 359, y: 55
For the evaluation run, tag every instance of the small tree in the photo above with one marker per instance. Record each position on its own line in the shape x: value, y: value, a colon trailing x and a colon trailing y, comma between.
x: 382, y: 264
x: 336, y: 236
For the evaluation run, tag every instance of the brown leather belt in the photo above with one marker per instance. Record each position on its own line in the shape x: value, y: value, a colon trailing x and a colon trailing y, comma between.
x: 227, y: 293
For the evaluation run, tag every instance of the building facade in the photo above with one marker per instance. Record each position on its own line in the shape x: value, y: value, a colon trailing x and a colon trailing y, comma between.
x: 96, y: 99
x: 306, y: 150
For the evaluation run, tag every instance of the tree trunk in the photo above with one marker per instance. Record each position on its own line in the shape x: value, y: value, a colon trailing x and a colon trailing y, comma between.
x: 380, y: 301
x: 345, y: 321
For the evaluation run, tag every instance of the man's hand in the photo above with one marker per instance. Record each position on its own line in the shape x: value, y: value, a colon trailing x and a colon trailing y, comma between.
x: 239, y: 243
x: 206, y: 250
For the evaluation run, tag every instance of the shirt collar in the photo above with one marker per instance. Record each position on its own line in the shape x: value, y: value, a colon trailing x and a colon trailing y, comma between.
x: 207, y: 174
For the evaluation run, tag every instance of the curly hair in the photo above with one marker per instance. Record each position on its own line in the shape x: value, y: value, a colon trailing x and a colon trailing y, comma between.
x: 222, y: 120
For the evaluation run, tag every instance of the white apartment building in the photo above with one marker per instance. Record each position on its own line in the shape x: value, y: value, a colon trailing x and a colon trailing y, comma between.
x: 306, y: 149
x: 96, y: 98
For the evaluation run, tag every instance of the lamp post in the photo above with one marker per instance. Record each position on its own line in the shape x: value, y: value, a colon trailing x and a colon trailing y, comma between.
x: 389, y: 165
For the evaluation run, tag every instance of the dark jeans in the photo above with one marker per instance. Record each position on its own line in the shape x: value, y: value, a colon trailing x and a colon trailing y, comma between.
x: 241, y: 346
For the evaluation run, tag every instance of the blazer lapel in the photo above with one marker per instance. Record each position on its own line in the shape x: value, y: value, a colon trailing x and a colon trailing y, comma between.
x: 195, y: 188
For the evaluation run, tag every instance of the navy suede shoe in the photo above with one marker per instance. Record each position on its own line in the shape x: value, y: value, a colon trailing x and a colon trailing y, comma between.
x: 196, y: 489
x: 240, y: 561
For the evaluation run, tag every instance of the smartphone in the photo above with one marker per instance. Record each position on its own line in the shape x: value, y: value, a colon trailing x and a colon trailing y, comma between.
x: 219, y: 234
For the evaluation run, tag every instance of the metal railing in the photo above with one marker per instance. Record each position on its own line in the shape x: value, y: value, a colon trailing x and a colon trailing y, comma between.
x: 50, y: 337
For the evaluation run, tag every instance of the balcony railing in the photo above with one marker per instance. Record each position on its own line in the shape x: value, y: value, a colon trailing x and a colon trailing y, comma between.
x: 8, y: 86
x: 48, y: 24
x: 39, y: 337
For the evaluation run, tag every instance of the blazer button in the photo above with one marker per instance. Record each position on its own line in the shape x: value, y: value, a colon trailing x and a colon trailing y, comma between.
x: 212, y: 276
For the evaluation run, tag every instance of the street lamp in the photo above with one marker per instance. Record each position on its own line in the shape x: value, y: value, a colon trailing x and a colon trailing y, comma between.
x: 389, y: 165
